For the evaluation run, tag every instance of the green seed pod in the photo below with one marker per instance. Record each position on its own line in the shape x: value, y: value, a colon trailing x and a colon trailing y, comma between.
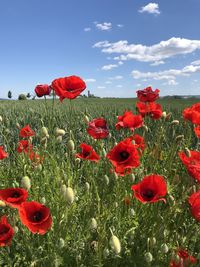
x: 26, y: 183
x: 115, y: 244
x: 148, y: 257
x: 71, y: 145
x: 44, y: 132
x: 164, y: 248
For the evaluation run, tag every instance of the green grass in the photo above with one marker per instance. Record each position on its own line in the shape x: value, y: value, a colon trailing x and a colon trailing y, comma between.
x: 71, y: 242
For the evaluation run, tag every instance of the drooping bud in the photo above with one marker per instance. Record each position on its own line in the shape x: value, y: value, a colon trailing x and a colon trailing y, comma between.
x: 164, y: 248
x: 71, y: 145
x: 87, y: 186
x: 106, y: 179
x: 86, y: 119
x: 26, y: 183
x: 61, y: 243
x: 93, y: 224
x: 175, y: 122
x: 164, y: 114
x: 60, y: 132
x: 148, y: 257
x: 69, y: 195
x: 115, y: 244
x: 44, y: 132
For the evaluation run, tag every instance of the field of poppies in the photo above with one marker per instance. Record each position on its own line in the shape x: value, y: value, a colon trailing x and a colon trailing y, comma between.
x: 99, y: 182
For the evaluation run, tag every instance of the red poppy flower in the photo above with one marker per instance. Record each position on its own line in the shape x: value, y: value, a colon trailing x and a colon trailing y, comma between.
x: 139, y: 141
x: 129, y: 120
x: 184, y: 259
x: 36, y: 217
x: 42, y: 90
x: 197, y: 131
x: 24, y: 146
x: 88, y: 153
x: 26, y: 131
x: 192, y: 163
x: 6, y: 232
x: 148, y: 95
x: 14, y: 197
x: 151, y: 189
x: 194, y: 197
x: 68, y: 87
x: 3, y: 154
x: 192, y: 113
x: 195, y: 209
x: 36, y: 158
x: 98, y: 128
x: 124, y: 156
x: 152, y: 109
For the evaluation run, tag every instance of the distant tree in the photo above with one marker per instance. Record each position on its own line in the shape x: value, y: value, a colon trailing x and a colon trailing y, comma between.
x: 28, y: 95
x: 22, y: 97
x: 9, y: 94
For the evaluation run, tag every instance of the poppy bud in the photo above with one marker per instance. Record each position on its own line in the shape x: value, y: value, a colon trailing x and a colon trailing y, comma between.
x: 77, y: 160
x: 61, y: 243
x: 179, y: 137
x: 26, y: 183
x: 115, y: 244
x: 43, y: 200
x: 104, y: 152
x: 152, y: 241
x: 148, y: 257
x: 164, y: 114
x: 109, y: 135
x: 43, y: 141
x: 87, y: 186
x: 187, y: 152
x: 86, y: 119
x: 164, y: 248
x: 175, y: 122
x: 194, y: 188
x: 59, y: 138
x: 69, y: 195
x: 116, y: 176
x: 2, y: 204
x: 63, y: 189
x: 168, y: 116
x: 1, y: 119
x: 132, y: 178
x: 18, y: 125
x: 106, y: 179
x: 145, y: 128
x: 132, y: 212
x: 16, y: 229
x: 44, y: 132
x: 60, y: 132
x: 93, y: 224
x: 116, y: 205
x: 71, y: 145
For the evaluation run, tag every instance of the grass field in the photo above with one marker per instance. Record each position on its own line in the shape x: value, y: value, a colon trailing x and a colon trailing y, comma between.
x: 103, y: 203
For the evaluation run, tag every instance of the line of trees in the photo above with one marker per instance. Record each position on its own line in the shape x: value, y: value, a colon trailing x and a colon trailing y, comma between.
x: 20, y: 97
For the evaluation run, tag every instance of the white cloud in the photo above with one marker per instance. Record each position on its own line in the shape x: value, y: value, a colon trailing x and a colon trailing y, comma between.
x: 119, y: 86
x: 152, y: 8
x: 105, y: 26
x: 120, y: 63
x: 169, y: 75
x: 196, y: 62
x: 101, y: 87
x: 90, y: 80
x: 108, y: 82
x: 157, y: 63
x: 155, y: 53
x: 118, y: 77
x: 87, y: 29
x: 120, y: 25
x: 172, y: 82
x: 109, y: 67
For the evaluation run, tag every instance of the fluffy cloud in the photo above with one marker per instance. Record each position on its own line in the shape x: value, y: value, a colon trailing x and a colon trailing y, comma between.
x: 169, y: 75
x: 109, y: 67
x: 101, y: 87
x: 157, y: 63
x: 87, y: 29
x: 155, y: 53
x: 90, y: 80
x: 151, y: 8
x: 118, y: 77
x: 105, y: 26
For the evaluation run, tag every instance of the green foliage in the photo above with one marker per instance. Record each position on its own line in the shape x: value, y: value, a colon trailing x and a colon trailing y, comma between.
x: 22, y: 97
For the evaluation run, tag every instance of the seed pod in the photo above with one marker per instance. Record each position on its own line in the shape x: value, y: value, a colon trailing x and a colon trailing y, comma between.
x: 115, y: 244
x: 60, y: 132
x: 44, y: 131
x: 164, y: 248
x: 70, y: 145
x: 26, y: 183
x: 69, y: 195
x: 148, y: 257
x: 93, y: 224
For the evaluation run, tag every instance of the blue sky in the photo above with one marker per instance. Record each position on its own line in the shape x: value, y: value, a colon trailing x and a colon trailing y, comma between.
x: 116, y: 46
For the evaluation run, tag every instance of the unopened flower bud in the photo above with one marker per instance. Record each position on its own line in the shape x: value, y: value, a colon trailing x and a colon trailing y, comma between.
x: 164, y: 114
x: 63, y: 189
x: 43, y: 200
x: 60, y: 132
x: 175, y: 122
x: 70, y: 145
x: 26, y: 183
x: 145, y: 128
x: 16, y: 229
x: 132, y: 178
x: 179, y: 137
x: 115, y: 244
x: 18, y: 125
x: 69, y: 195
x: 104, y: 152
x: 61, y: 243
x: 148, y: 257
x: 187, y: 152
x: 132, y: 212
x: 93, y: 224
x: 59, y: 139
x: 106, y: 179
x: 2, y: 204
x: 86, y: 119
x: 164, y: 248
x: 87, y: 186
x: 44, y: 132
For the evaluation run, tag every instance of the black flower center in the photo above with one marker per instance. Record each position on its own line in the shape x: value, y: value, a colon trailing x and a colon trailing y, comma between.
x: 86, y: 154
x: 37, y: 216
x: 3, y: 229
x: 124, y: 155
x: 148, y: 194
x: 15, y: 195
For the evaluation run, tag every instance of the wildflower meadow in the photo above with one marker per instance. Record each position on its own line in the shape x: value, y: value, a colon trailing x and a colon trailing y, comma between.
x: 99, y: 182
